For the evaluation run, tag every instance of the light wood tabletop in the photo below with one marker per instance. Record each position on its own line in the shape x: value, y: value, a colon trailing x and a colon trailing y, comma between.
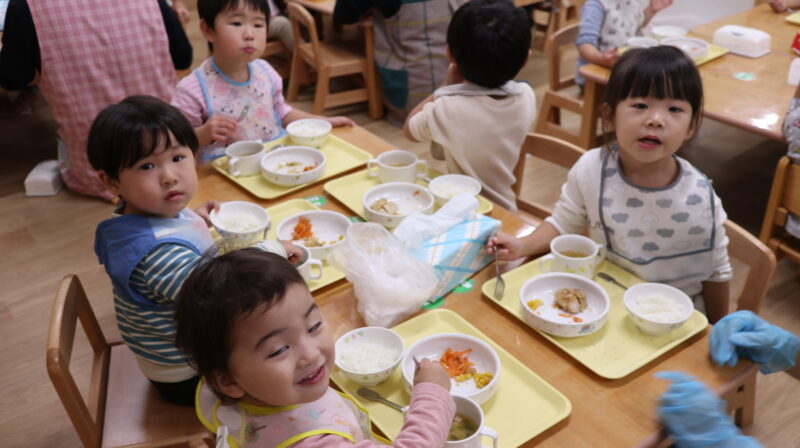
x: 761, y: 18
x: 604, y: 412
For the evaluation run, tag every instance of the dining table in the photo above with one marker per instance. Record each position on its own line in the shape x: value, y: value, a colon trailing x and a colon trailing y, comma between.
x: 760, y: 17
x: 604, y: 412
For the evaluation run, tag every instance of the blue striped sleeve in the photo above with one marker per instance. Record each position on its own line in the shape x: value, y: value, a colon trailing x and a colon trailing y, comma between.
x: 161, y: 273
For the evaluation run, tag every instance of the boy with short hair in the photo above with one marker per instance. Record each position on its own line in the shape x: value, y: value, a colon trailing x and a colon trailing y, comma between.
x: 480, y: 116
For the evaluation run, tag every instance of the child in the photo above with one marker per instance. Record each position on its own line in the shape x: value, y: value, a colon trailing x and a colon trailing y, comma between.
x: 655, y: 213
x: 791, y: 131
x: 143, y: 150
x: 266, y: 355
x: 606, y: 25
x: 480, y: 116
x: 235, y: 95
x: 783, y: 5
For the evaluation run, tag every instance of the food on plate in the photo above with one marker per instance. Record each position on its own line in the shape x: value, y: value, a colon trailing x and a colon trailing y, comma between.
x: 367, y: 357
x: 386, y: 206
x: 657, y: 308
x: 575, y: 319
x: 239, y: 222
x: 571, y: 300
x: 460, y: 368
x: 295, y: 167
x: 449, y: 190
x: 534, y: 304
x: 481, y: 379
x: 308, y: 129
x: 461, y: 428
x: 303, y: 231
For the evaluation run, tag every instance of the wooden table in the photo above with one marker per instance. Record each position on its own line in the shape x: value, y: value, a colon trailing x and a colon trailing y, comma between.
x: 622, y: 411
x: 761, y: 18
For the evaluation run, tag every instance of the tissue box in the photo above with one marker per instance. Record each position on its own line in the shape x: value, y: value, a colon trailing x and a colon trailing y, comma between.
x: 742, y: 40
x: 458, y: 253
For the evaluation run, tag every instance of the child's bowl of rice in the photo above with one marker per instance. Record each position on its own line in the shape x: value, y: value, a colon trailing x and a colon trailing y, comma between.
x: 657, y: 308
x: 448, y: 186
x: 369, y: 355
x: 240, y: 223
x: 309, y: 131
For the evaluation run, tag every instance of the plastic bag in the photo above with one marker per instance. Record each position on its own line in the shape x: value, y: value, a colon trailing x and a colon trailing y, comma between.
x: 389, y: 282
x: 419, y: 227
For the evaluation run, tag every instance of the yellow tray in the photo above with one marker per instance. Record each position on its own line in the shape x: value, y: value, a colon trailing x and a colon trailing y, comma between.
x: 341, y: 157
x: 714, y: 51
x: 515, y: 420
x: 351, y: 188
x: 618, y: 348
x: 794, y: 18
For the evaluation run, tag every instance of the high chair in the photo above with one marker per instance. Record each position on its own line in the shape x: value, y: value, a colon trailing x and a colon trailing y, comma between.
x: 545, y: 147
x: 122, y: 408
x: 560, y: 13
x: 332, y: 59
x: 783, y: 199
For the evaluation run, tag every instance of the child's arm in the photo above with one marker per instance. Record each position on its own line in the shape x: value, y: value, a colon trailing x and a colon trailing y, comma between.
x: 205, y: 209
x: 453, y: 77
x: 592, y: 18
x: 510, y: 247
x: 217, y: 129
x: 783, y: 5
x: 181, y: 10
x: 652, y: 9
x: 592, y: 54
x: 716, y: 296
x: 297, y: 114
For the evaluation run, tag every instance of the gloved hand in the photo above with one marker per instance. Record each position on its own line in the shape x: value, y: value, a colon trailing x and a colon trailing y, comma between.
x: 695, y: 417
x: 744, y: 334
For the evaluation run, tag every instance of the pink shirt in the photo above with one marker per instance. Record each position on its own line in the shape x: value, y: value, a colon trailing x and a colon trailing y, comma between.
x: 427, y: 423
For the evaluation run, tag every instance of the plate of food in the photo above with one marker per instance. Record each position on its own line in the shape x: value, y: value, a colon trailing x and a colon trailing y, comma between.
x: 318, y: 230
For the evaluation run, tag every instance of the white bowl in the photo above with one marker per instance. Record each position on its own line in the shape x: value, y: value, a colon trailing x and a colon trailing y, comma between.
x: 641, y: 42
x: 355, y: 340
x: 410, y: 198
x: 330, y: 228
x: 448, y: 186
x: 662, y: 32
x: 240, y: 223
x: 652, y: 324
x: 309, y: 131
x: 285, y: 166
x: 433, y: 347
x: 694, y: 48
x: 552, y: 320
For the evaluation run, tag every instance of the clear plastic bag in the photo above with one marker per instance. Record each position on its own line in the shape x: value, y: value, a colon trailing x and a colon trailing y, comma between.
x: 389, y: 282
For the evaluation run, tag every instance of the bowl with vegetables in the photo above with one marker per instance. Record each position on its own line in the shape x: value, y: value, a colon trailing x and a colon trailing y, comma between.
x: 317, y: 230
x: 293, y: 165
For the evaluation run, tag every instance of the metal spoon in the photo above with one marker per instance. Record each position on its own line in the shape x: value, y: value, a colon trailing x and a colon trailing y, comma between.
x: 371, y: 395
x: 611, y: 279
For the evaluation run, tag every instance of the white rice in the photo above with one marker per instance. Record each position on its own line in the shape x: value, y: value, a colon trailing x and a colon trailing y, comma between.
x: 239, y: 222
x: 366, y: 357
x: 449, y: 190
x: 658, y: 309
x: 307, y: 129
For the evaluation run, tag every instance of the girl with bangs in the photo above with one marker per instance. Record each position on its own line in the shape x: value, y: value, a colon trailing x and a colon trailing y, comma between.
x: 656, y: 214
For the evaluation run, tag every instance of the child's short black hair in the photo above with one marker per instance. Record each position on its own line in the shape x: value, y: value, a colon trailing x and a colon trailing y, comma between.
x: 490, y: 41
x: 662, y: 71
x: 210, y: 9
x: 126, y: 132
x: 220, y: 291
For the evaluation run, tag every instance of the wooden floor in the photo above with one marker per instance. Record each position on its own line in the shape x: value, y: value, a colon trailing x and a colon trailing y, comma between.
x: 43, y: 239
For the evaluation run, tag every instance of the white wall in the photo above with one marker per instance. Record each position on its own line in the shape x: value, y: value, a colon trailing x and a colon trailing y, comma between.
x: 691, y: 13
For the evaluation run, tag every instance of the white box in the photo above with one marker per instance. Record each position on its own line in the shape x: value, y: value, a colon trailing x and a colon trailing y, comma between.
x: 44, y: 179
x: 742, y: 40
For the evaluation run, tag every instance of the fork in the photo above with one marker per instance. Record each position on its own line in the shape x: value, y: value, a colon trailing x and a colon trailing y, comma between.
x: 244, y: 113
x: 500, y: 285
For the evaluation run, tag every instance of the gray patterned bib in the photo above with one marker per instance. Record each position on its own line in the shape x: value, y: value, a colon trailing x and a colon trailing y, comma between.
x: 622, y: 20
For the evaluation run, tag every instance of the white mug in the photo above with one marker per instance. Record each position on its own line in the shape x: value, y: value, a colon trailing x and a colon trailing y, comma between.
x: 244, y: 158
x: 309, y: 268
x: 469, y: 409
x: 574, y: 254
x: 397, y: 166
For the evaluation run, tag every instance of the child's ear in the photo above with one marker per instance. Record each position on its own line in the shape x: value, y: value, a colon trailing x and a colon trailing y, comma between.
x: 207, y: 31
x: 692, y: 129
x: 111, y: 184
x: 606, y: 116
x: 224, y: 383
x: 452, y: 60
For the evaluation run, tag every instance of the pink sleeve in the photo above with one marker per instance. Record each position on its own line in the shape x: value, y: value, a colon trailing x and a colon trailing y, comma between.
x: 427, y: 423
x: 278, y: 103
x: 190, y: 100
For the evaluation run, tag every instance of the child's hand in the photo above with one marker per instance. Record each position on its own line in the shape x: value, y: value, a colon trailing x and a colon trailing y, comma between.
x: 205, y: 209
x: 338, y: 122
x: 431, y: 372
x: 293, y: 253
x: 216, y: 129
x: 508, y: 247
x: 181, y: 11
x: 453, y: 75
x: 658, y: 5
x: 609, y: 57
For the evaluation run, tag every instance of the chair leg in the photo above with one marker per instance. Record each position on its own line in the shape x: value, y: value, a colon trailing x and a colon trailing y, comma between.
x: 746, y: 414
x: 373, y: 92
x: 323, y: 89
x: 296, y: 75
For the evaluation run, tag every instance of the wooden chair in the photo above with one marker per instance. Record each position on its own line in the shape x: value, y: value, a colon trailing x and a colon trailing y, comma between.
x: 746, y: 248
x: 332, y: 59
x: 545, y: 147
x: 560, y: 14
x: 783, y: 199
x: 277, y: 48
x: 123, y: 408
x: 560, y: 93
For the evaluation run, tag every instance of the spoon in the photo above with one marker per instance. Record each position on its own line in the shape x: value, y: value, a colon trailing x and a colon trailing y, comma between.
x: 371, y: 395
x: 611, y: 279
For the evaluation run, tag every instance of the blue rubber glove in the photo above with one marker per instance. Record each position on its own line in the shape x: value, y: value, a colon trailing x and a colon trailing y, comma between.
x: 744, y: 334
x: 694, y: 417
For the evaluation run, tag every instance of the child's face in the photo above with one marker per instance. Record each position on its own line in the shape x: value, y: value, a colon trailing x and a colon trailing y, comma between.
x: 650, y: 130
x: 161, y: 184
x: 282, y: 355
x: 239, y: 34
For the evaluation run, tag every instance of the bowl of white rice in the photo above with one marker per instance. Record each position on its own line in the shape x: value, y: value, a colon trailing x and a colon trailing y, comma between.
x: 657, y: 308
x: 309, y: 131
x: 240, y: 223
x: 448, y: 186
x: 369, y: 355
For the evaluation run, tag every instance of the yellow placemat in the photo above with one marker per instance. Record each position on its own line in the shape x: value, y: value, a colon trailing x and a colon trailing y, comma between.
x: 793, y: 18
x: 523, y: 406
x: 351, y: 188
x: 618, y: 348
x: 341, y: 157
x: 714, y: 51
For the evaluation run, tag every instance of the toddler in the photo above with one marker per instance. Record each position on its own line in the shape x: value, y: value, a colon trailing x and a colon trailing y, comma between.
x: 235, y: 95
x: 143, y: 150
x: 783, y: 5
x: 480, y: 116
x: 791, y: 131
x: 250, y: 326
x: 606, y: 25
x: 656, y: 214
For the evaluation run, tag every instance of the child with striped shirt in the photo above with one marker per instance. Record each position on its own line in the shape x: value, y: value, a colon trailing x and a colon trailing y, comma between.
x: 143, y: 150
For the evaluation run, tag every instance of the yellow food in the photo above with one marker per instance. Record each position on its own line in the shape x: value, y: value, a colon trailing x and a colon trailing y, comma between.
x: 481, y: 379
x: 534, y: 304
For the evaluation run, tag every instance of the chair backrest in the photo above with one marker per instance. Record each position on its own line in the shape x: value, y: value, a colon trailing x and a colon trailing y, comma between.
x: 303, y: 20
x: 748, y: 249
x: 548, y: 148
x: 784, y: 198
x: 71, y: 305
x: 553, y: 49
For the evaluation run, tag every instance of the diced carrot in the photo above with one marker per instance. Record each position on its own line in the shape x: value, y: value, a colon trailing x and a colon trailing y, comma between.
x: 577, y: 319
x: 302, y: 229
x: 455, y: 363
